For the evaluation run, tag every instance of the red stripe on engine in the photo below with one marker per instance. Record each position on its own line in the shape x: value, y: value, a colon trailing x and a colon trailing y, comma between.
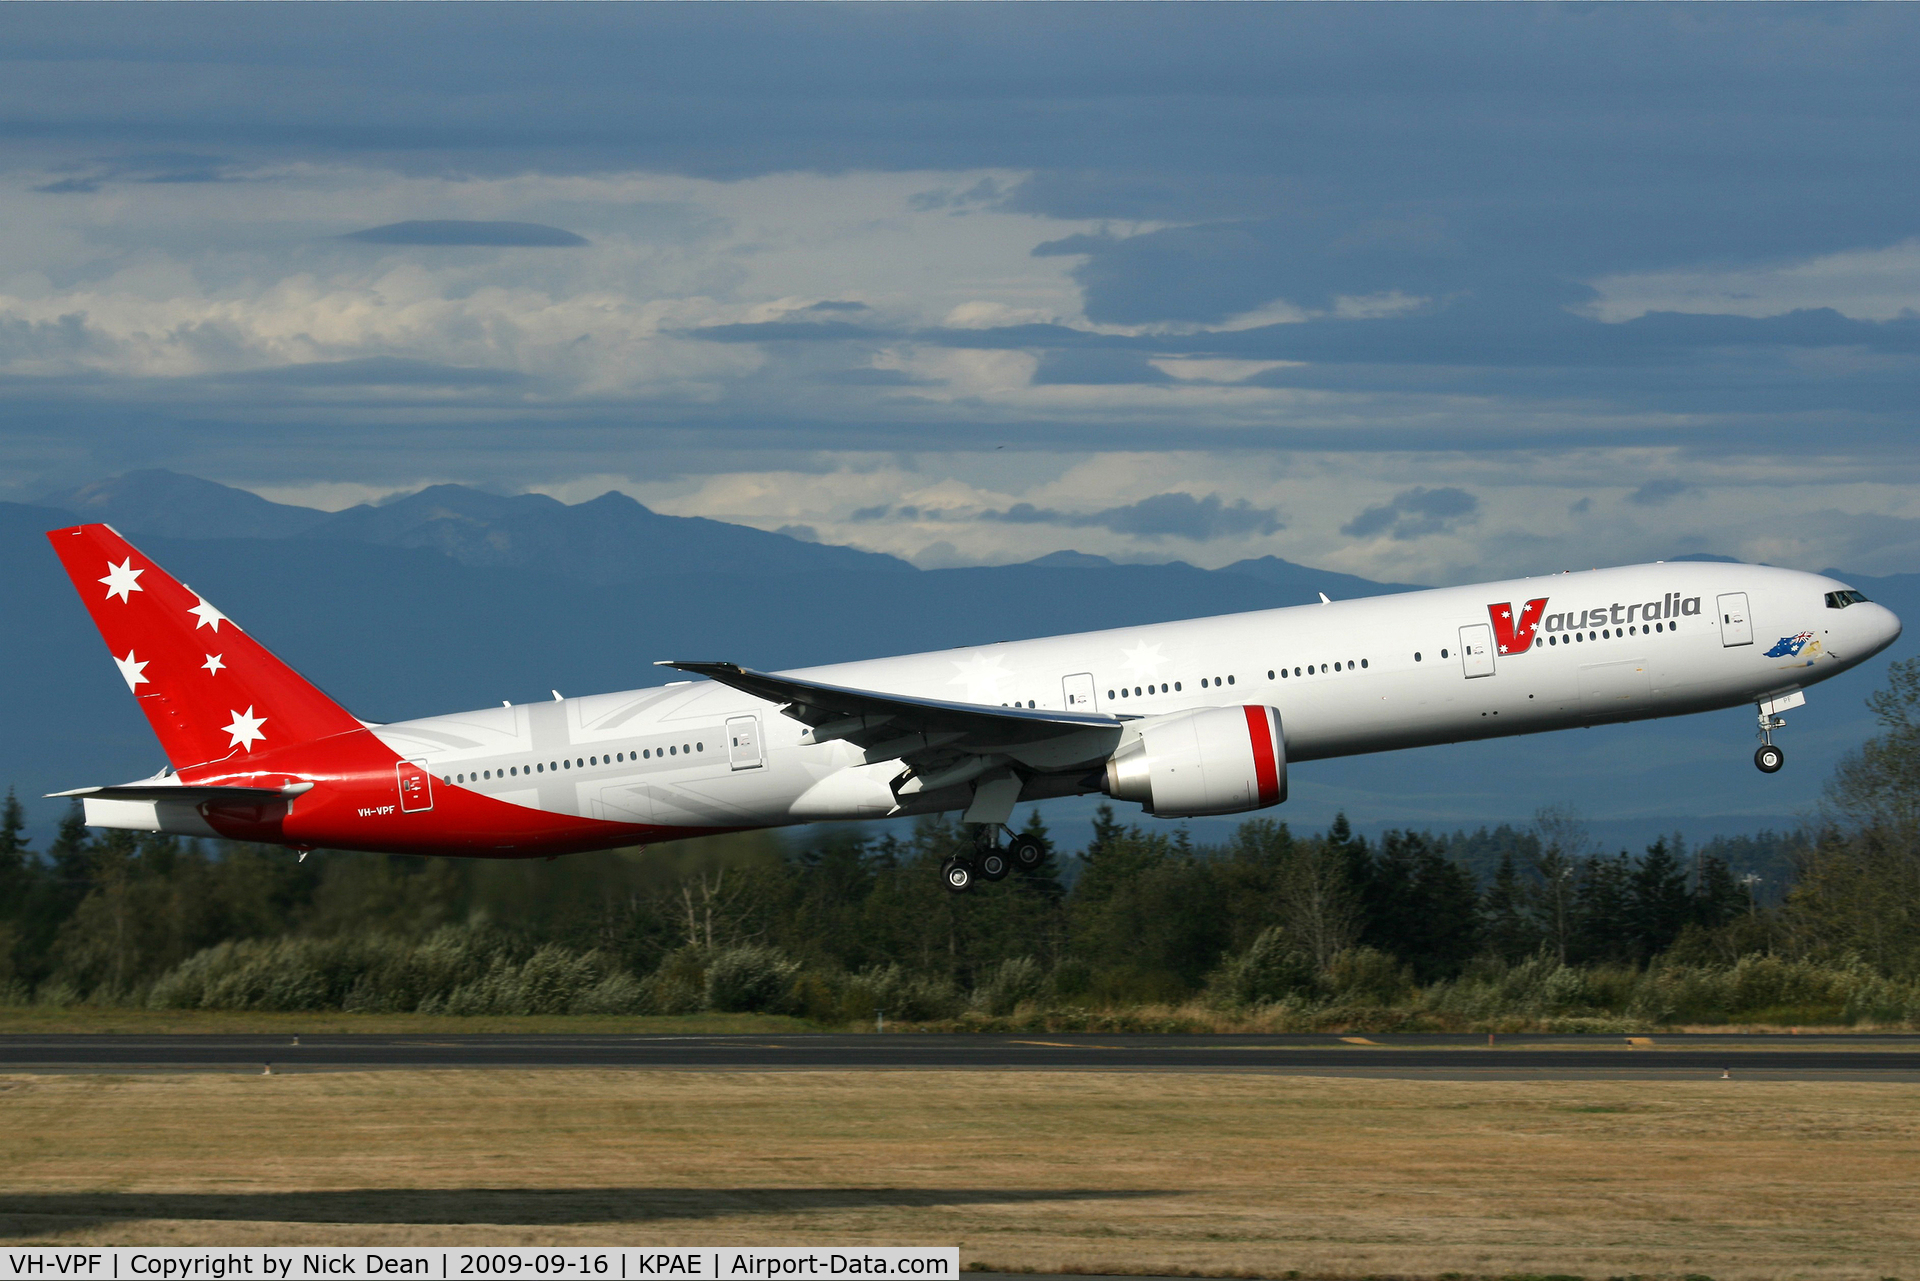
x: 1265, y: 772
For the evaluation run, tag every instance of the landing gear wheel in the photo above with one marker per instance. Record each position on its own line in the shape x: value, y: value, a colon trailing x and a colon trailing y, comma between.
x: 958, y: 873
x: 1026, y: 852
x: 1769, y: 758
x: 994, y: 864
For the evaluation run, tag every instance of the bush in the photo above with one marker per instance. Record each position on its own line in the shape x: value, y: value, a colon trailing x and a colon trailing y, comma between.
x: 903, y: 994
x: 679, y: 985
x: 1269, y: 970
x: 1367, y: 976
x: 743, y: 980
x: 1010, y: 984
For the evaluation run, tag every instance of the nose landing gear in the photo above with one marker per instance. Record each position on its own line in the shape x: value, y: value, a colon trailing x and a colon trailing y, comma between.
x: 1768, y: 758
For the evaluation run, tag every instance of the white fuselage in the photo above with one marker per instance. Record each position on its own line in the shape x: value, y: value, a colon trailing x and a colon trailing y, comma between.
x: 1347, y: 677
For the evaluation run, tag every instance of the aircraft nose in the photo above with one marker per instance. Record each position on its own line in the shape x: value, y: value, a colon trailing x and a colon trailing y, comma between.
x: 1883, y: 626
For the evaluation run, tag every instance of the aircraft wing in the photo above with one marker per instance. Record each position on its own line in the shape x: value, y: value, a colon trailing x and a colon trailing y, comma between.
x: 919, y: 727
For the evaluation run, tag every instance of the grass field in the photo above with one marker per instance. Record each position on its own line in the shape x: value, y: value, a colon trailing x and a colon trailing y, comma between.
x: 47, y: 1020
x: 1128, y: 1172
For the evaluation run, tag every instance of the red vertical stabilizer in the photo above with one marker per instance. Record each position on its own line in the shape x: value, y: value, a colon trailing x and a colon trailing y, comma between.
x: 210, y: 691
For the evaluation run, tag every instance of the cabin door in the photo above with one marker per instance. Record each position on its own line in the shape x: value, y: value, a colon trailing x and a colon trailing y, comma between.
x: 416, y: 787
x: 1476, y: 650
x: 743, y: 742
x: 1735, y: 627
x: 1077, y: 691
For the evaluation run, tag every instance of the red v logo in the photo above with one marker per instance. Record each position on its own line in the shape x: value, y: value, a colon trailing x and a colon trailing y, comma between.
x: 1513, y: 635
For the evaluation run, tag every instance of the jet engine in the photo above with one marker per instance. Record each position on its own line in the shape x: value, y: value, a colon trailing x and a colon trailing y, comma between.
x: 1220, y: 760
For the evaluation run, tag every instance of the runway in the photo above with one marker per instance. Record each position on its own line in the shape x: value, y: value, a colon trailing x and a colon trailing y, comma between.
x: 1456, y: 1057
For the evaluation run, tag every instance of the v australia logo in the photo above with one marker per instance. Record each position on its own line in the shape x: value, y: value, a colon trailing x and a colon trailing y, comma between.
x: 1513, y: 634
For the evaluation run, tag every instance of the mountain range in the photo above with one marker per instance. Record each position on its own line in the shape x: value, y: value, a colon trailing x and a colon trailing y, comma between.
x: 452, y: 597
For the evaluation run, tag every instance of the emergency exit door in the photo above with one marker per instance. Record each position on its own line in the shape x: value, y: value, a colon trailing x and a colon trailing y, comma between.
x: 1476, y: 650
x: 1735, y: 627
x: 1078, y: 692
x: 416, y: 787
x: 743, y: 742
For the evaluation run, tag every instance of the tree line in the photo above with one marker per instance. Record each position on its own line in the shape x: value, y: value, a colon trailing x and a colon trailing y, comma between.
x: 1449, y: 929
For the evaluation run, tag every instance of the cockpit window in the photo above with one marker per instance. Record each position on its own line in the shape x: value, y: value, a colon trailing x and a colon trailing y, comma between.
x: 1840, y: 600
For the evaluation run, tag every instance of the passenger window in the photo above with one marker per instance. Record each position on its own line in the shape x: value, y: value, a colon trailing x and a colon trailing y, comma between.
x: 1176, y: 687
x: 1229, y: 680
x: 1363, y: 662
x: 1443, y: 653
x: 1416, y: 655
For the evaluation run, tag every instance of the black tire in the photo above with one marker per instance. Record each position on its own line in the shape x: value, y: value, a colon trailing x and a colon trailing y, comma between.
x: 1769, y: 759
x: 994, y: 865
x: 957, y: 874
x: 1026, y: 852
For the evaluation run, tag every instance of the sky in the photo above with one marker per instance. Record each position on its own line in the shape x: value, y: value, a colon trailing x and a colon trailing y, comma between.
x: 1424, y: 293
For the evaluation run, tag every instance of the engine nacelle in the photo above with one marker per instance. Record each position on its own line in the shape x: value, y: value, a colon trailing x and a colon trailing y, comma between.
x: 1222, y: 760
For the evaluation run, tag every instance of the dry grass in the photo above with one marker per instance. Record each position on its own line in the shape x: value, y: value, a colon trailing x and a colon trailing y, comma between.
x: 1131, y: 1172
x: 1197, y: 1019
x: 52, y: 1020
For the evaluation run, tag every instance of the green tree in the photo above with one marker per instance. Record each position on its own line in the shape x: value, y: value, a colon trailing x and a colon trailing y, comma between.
x: 1661, y: 903
x: 1858, y: 882
x: 1507, y: 930
x: 1604, y: 929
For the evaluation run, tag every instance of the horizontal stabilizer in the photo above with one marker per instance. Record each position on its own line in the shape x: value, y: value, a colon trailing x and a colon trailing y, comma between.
x: 188, y: 794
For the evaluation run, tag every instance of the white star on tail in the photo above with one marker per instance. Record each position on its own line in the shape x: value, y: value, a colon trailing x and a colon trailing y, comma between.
x: 121, y: 579
x: 132, y: 670
x: 213, y: 663
x: 245, y: 728
x: 208, y: 615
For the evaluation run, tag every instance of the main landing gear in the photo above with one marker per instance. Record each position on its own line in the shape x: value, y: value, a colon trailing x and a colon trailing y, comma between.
x: 991, y: 861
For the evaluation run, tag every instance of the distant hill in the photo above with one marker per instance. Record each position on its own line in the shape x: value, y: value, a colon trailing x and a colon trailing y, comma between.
x: 611, y: 539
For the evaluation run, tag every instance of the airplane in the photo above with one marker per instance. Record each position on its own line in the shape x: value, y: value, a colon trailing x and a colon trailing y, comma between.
x: 1187, y: 719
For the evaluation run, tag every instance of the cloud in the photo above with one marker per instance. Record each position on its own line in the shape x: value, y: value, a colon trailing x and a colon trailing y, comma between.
x: 450, y: 231
x: 378, y: 371
x: 1173, y: 515
x: 1414, y: 513
x: 1659, y: 491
